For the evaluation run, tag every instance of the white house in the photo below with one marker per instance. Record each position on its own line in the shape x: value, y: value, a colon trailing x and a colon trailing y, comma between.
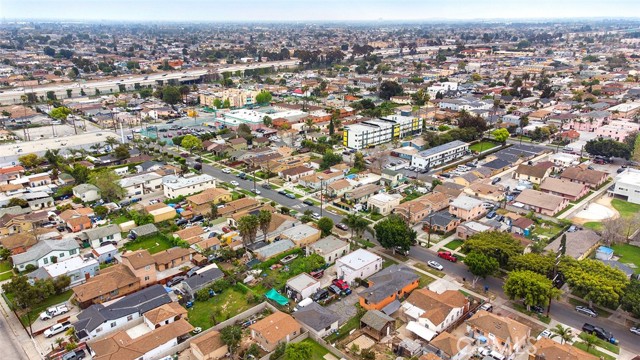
x: 301, y: 286
x: 142, y: 184
x: 77, y: 268
x: 46, y: 252
x: 383, y: 203
x: 175, y: 186
x: 330, y: 248
x: 627, y: 185
x: 86, y: 192
x: 97, y: 236
x: 435, y: 311
x: 358, y: 264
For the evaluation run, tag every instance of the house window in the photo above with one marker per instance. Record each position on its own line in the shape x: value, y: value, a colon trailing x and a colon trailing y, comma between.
x: 72, y: 252
x: 130, y: 317
x: 61, y: 255
x: 146, y: 278
x: 147, y: 267
x: 113, y: 324
x: 45, y: 260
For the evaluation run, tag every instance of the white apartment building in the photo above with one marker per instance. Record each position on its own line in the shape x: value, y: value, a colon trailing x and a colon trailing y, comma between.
x: 175, y: 186
x: 142, y: 184
x: 627, y: 185
x: 358, y: 264
x: 440, y: 154
x: 379, y: 131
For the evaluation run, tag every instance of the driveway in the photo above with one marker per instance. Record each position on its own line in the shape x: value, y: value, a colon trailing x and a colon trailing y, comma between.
x: 345, y: 307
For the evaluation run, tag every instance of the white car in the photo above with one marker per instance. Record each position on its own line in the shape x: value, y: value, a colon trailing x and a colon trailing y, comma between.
x: 226, y: 171
x: 234, y: 183
x: 546, y: 333
x: 436, y: 265
x: 635, y: 330
x: 315, y: 216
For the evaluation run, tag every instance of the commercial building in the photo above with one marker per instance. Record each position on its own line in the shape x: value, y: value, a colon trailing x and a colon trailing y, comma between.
x: 440, y: 154
x: 175, y: 186
x: 379, y: 131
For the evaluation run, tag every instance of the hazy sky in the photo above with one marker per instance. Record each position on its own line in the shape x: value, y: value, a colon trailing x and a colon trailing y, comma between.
x: 304, y: 10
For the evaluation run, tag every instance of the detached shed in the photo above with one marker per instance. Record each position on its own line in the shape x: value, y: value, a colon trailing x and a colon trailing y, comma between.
x: 604, y: 253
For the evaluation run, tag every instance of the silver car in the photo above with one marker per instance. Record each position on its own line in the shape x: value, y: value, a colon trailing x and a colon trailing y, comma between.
x: 436, y: 265
x: 586, y: 311
x: 635, y: 330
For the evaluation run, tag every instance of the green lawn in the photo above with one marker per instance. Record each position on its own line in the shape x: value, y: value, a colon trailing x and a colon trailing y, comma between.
x: 483, y: 146
x: 626, y: 209
x: 583, y: 346
x: 6, y: 275
x: 603, y: 344
x: 388, y: 262
x: 223, y: 306
x: 317, y: 351
x: 595, y: 226
x: 454, y: 244
x: 518, y: 306
x: 154, y: 244
x: 5, y: 266
x: 547, y: 229
x: 629, y: 254
x: 35, y: 312
x: 425, y: 279
x: 376, y: 216
x: 343, y: 331
x: 426, y: 268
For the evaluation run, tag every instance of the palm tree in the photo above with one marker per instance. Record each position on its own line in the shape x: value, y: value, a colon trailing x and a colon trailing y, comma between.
x: 248, y: 228
x: 58, y: 342
x: 264, y: 220
x: 590, y: 340
x: 111, y: 141
x: 309, y: 123
x: 524, y: 121
x: 565, y: 334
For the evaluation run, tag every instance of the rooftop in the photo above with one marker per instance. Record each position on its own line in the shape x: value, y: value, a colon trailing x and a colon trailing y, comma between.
x: 359, y: 259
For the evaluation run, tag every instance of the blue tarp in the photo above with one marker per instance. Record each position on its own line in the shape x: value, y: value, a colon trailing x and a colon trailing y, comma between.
x: 275, y: 296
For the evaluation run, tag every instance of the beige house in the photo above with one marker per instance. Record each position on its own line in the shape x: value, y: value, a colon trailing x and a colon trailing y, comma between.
x: 142, y: 265
x: 383, y: 203
x: 565, y: 188
x: 208, y: 346
x: 550, y: 349
x: 543, y: 203
x: 499, y: 331
x: 418, y: 209
x: 274, y: 329
x: 201, y: 203
x: 532, y: 173
x: 301, y: 235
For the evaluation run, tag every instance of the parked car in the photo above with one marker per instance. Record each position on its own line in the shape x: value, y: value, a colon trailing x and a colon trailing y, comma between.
x: 599, y: 332
x: 486, y: 307
x: 175, y: 281
x: 181, y: 221
x: 635, y: 330
x: 316, y: 216
x: 546, y: 333
x: 308, y: 202
x: 334, y: 289
x: 226, y: 229
x: 282, y: 192
x: 290, y: 196
x: 320, y: 295
x: 266, y: 186
x: 192, y: 271
x: 197, y: 218
x: 226, y: 171
x: 234, y: 183
x: 57, y: 329
x: 436, y: 265
x: 447, y: 255
x: 342, y: 226
x: 341, y: 284
x: 54, y: 311
x: 495, y: 181
x: 587, y: 311
x: 76, y: 354
x: 491, y: 215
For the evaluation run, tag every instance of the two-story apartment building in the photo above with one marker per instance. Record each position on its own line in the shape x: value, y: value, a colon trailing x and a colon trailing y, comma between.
x: 383, y: 203
x: 141, y: 184
x: 112, y: 282
x: 379, y: 131
x: 358, y: 264
x: 98, y: 236
x: 466, y: 208
x: 435, y: 311
x: 499, y: 331
x: 330, y: 248
x: 439, y: 155
x: 175, y: 186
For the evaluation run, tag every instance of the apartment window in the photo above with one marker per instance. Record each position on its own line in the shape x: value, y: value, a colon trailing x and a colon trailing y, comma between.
x: 146, y: 278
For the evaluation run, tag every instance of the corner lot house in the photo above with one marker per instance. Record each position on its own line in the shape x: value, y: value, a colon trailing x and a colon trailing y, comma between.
x: 386, y: 287
x: 627, y: 186
x: 86, y: 192
x: 550, y: 349
x: 383, y: 203
x: 46, y: 252
x: 274, y: 329
x: 359, y: 264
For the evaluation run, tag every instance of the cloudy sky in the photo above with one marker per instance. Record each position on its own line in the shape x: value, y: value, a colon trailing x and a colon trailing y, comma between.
x: 307, y: 10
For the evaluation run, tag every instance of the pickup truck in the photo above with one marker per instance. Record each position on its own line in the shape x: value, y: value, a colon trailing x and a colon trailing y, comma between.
x: 52, y: 312
x: 57, y: 329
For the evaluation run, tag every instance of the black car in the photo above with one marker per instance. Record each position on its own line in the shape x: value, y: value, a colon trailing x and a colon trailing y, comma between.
x: 175, y: 281
x: 320, y: 295
x: 342, y: 226
x: 181, y: 222
x: 282, y: 192
x: 290, y: 196
x: 308, y: 202
x: 266, y: 186
x: 197, y: 218
x: 334, y: 289
x: 599, y: 332
x: 495, y: 181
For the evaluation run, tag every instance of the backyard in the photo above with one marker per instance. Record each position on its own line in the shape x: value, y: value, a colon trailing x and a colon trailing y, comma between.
x: 223, y: 306
x: 483, y: 146
x: 546, y: 229
x: 628, y: 254
x: 317, y: 351
x: 153, y: 243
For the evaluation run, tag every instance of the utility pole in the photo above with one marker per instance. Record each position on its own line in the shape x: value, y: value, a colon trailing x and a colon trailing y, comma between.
x: 321, y: 197
x: 555, y: 274
x: 429, y: 232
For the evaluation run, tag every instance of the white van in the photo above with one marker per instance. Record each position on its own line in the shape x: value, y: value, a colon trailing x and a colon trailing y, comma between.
x: 303, y: 303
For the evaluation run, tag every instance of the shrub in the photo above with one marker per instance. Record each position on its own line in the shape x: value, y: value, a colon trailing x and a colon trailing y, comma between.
x: 202, y: 295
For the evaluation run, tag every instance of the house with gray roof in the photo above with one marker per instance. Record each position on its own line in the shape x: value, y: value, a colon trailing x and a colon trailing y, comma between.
x: 202, y: 279
x: 273, y: 249
x: 377, y: 324
x: 46, y: 252
x: 98, y: 236
x: 317, y: 319
x: 144, y: 230
x: 86, y: 192
x: 98, y: 319
x: 330, y: 248
x: 387, y: 286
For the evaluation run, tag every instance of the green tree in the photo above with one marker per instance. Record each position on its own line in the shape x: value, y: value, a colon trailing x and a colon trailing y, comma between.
x: 607, y: 147
x: 191, y: 142
x: 231, y: 336
x: 214, y: 211
x: 535, y: 289
x: 631, y: 300
x: 80, y: 173
x: 278, y: 352
x: 480, y: 264
x: 298, y: 351
x: 267, y: 120
x: 595, y: 281
x: 498, y: 245
x: 109, y: 184
x: 325, y: 225
x: 590, y: 340
x: 356, y: 223
x: 60, y: 113
x: 121, y: 152
x: 30, y: 160
x: 394, y: 233
x: 329, y: 159
x: 388, y: 89
x: 565, y: 333
x: 16, y: 201
x: 226, y: 104
x: 541, y: 264
x: 358, y: 161
x: 264, y: 220
x: 500, y: 135
x: 171, y: 95
x: 100, y: 211
x: 263, y: 97
x: 563, y: 244
x: 636, y: 149
x: 248, y: 228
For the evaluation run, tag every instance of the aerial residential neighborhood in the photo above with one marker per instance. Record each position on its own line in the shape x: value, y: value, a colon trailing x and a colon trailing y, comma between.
x: 177, y: 189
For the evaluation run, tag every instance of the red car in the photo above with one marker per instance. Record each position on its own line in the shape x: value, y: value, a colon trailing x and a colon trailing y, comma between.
x: 341, y: 284
x: 226, y: 229
x: 447, y: 256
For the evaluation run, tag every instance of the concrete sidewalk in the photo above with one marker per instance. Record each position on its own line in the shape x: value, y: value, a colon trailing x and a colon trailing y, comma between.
x: 24, y: 345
